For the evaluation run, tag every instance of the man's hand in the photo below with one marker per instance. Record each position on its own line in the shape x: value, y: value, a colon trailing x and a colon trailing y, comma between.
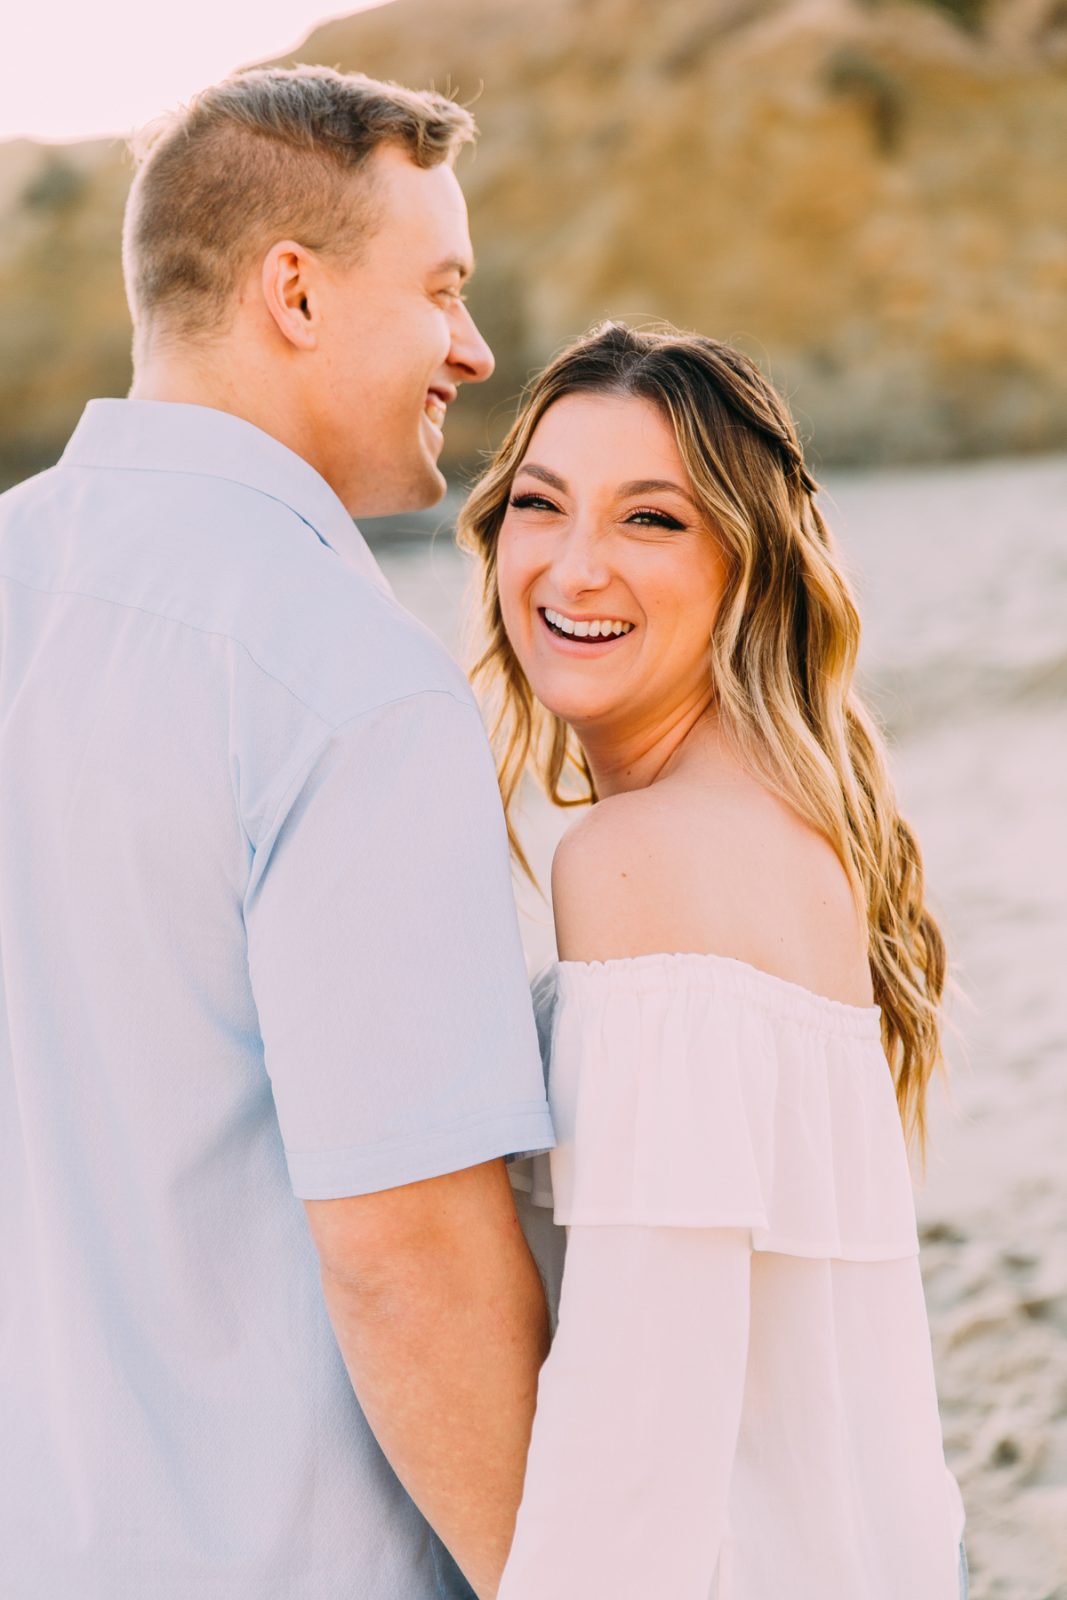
x: 440, y: 1316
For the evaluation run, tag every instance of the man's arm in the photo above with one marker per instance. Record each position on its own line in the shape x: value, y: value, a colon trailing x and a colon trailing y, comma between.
x: 399, y: 1037
x: 440, y: 1316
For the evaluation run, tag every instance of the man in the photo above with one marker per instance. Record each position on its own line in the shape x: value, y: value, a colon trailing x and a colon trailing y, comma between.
x: 258, y: 938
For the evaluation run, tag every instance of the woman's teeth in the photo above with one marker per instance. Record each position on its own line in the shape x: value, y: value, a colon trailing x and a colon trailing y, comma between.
x: 435, y: 410
x: 597, y: 629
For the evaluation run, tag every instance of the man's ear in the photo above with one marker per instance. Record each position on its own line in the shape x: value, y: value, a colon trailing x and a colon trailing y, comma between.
x: 289, y: 292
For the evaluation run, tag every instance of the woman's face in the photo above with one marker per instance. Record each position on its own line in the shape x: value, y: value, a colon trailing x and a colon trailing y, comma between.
x: 603, y: 528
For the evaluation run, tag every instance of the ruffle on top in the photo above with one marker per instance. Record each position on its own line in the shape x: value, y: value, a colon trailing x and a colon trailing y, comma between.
x: 698, y: 1091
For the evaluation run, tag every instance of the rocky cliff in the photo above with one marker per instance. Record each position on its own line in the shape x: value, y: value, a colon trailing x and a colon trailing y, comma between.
x: 64, y: 328
x: 868, y: 195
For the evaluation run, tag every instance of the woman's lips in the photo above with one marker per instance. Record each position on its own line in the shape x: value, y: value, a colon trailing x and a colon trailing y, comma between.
x: 573, y: 645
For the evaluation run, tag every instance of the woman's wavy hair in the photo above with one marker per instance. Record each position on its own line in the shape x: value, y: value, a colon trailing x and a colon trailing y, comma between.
x: 784, y: 648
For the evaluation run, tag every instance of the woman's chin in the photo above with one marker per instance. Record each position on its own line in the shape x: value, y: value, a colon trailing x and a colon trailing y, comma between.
x: 579, y: 709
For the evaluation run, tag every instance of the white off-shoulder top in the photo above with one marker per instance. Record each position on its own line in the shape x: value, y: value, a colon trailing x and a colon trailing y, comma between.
x: 739, y: 1402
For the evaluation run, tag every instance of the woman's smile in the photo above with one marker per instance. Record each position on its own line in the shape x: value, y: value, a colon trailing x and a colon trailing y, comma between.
x: 583, y: 636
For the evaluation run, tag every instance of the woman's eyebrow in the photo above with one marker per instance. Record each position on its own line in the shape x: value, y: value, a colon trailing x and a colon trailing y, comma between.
x: 625, y: 491
x: 654, y: 486
x: 545, y: 476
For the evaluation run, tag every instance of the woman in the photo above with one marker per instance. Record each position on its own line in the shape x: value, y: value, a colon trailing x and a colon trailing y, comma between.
x: 739, y: 1402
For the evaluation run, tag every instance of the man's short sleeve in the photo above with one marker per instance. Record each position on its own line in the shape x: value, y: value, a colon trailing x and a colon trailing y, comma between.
x: 385, y: 957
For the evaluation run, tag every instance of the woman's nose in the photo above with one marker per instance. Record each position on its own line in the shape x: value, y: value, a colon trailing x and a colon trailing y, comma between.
x: 579, y: 564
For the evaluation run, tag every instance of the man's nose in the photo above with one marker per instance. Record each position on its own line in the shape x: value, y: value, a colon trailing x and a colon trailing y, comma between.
x: 470, y: 355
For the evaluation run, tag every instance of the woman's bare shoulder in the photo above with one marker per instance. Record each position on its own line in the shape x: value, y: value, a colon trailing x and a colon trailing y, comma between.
x: 724, y: 868
x: 615, y: 876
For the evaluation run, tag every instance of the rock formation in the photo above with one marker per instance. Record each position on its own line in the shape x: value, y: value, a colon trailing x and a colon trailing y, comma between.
x: 868, y: 195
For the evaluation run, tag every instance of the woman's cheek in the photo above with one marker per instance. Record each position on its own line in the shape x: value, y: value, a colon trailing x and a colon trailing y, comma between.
x: 512, y: 576
x: 510, y: 604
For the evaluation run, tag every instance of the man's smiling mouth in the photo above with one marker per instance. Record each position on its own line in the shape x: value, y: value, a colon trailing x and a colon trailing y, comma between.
x: 437, y: 403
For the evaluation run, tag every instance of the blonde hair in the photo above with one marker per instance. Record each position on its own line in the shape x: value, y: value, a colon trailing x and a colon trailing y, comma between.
x: 264, y: 155
x: 784, y: 649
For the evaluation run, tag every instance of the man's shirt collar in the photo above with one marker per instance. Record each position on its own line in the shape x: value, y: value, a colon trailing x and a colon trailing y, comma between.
x: 169, y: 436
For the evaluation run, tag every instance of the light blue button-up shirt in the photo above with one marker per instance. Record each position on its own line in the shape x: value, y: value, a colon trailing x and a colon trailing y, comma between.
x: 257, y: 941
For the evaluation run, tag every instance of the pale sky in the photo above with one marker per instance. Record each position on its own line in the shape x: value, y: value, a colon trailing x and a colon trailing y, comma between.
x: 72, y: 70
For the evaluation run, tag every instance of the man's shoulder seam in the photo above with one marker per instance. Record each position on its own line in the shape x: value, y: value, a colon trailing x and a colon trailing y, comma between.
x: 332, y: 725
x: 294, y: 775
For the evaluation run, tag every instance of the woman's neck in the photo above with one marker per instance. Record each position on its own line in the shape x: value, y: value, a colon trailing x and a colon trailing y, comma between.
x: 641, y: 757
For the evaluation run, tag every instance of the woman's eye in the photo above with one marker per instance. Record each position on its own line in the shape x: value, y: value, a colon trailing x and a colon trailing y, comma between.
x: 533, y: 502
x: 644, y: 518
x: 657, y: 519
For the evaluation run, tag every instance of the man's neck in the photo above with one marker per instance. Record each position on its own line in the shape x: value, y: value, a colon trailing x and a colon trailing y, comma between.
x: 190, y: 381
x: 194, y: 381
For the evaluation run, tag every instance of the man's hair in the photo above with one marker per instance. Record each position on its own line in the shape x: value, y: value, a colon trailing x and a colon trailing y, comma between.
x: 264, y: 155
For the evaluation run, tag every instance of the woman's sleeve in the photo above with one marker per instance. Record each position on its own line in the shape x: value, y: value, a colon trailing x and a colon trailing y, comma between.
x: 638, y: 1409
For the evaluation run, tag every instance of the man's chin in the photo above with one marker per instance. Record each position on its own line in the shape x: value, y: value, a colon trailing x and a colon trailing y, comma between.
x: 423, y: 490
x: 434, y: 490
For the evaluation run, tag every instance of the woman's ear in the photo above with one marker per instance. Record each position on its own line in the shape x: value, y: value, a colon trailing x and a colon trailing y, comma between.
x: 290, y: 293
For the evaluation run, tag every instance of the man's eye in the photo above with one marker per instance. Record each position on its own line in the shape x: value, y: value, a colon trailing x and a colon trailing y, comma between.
x: 534, y: 502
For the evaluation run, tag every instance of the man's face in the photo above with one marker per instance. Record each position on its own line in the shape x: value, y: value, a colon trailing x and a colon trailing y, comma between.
x: 396, y: 341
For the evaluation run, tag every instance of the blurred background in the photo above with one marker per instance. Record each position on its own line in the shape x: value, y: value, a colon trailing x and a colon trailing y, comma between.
x: 870, y: 198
